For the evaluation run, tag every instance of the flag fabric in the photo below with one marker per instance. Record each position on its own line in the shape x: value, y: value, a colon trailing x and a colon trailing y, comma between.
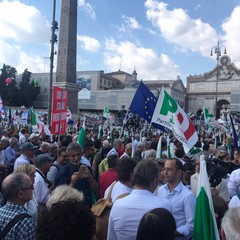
x: 209, y: 120
x: 106, y: 113
x: 69, y: 117
x: 159, y: 148
x: 82, y: 134
x: 235, y: 136
x: 144, y: 103
x: 205, y: 226
x: 169, y: 114
x: 41, y: 127
x: 100, y: 132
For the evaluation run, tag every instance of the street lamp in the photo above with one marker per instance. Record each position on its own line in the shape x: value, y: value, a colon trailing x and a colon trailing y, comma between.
x: 52, y: 53
x: 218, y: 51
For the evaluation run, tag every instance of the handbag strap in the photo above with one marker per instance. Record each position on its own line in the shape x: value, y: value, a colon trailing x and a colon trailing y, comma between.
x: 110, y: 192
x: 11, y: 223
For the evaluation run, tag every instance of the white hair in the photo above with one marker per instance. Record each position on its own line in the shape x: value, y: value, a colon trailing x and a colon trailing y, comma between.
x: 230, y: 224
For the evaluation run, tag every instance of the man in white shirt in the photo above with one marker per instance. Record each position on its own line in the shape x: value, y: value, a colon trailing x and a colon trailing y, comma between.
x: 182, y: 199
x: 27, y: 155
x: 125, y: 178
x: 127, y: 212
x: 41, y: 184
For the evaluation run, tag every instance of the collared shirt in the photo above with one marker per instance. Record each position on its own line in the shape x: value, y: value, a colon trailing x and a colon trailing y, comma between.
x: 124, y: 155
x: 127, y: 213
x: 23, y: 230
x: 10, y: 155
x: 21, y: 160
x: 2, y: 157
x: 183, y: 206
x: 41, y: 189
x: 234, y: 183
x: 118, y: 190
x: 234, y: 202
x: 85, y: 161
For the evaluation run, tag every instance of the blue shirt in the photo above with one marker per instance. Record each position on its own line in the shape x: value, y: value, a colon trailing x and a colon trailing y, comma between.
x: 10, y: 156
x: 183, y: 207
x: 23, y: 230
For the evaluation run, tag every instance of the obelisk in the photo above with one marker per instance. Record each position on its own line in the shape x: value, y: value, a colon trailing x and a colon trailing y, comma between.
x: 67, y: 53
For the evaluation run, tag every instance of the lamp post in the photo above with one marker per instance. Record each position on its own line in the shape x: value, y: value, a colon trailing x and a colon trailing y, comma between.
x: 218, y: 51
x: 52, y: 53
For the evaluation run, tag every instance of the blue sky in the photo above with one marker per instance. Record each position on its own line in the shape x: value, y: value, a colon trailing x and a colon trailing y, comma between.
x: 160, y: 39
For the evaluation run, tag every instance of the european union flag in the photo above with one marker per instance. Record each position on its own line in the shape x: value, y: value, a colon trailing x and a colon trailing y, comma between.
x: 144, y: 103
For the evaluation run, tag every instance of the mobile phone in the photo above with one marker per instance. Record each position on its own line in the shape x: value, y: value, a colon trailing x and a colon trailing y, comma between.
x: 81, y: 171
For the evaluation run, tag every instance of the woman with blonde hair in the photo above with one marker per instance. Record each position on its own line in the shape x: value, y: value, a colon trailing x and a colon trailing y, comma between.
x: 32, y: 205
x: 64, y: 193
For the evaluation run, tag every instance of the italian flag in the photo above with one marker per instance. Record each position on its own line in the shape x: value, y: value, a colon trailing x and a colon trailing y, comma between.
x: 37, y: 123
x: 205, y: 226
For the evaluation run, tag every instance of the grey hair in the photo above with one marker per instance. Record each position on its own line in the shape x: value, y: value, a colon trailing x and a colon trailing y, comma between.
x: 149, y: 154
x: 12, y: 184
x: 74, y: 147
x: 64, y: 193
x: 230, y: 224
x: 116, y: 142
x: 145, y: 172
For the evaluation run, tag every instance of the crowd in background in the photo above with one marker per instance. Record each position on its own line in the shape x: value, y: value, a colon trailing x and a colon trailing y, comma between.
x: 57, y: 181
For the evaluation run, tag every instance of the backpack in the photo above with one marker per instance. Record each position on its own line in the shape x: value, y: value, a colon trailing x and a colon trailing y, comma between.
x: 101, y: 210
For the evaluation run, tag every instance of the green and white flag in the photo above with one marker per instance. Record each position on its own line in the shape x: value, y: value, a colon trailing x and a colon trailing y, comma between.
x: 205, y: 226
x: 82, y: 134
x: 169, y: 114
x: 159, y: 148
x: 106, y: 113
x: 208, y: 117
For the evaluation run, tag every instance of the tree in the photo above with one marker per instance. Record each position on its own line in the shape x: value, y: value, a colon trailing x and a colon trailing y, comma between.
x: 8, y: 92
x: 29, y: 89
x: 11, y: 95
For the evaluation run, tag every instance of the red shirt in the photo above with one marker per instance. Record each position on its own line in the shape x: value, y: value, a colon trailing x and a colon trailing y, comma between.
x: 106, y: 179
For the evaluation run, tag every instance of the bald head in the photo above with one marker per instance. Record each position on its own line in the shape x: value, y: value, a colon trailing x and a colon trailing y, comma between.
x: 13, y: 183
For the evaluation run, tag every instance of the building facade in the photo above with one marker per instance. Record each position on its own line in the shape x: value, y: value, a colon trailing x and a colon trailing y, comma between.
x: 217, y: 90
x: 113, y: 90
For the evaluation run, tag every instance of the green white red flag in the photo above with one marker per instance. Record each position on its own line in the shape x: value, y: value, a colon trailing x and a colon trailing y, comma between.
x: 205, y: 226
x: 169, y: 114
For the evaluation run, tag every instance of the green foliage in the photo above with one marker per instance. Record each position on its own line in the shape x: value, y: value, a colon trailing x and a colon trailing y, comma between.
x: 12, y: 95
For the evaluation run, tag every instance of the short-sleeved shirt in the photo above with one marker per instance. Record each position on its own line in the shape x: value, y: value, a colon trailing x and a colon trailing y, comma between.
x: 23, y: 230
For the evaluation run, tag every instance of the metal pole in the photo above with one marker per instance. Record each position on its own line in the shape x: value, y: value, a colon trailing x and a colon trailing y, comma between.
x: 51, y: 66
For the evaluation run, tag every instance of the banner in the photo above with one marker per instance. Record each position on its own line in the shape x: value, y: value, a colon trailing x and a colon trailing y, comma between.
x: 59, y: 110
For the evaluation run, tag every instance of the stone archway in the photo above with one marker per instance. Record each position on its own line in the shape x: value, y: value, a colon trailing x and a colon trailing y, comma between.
x: 223, y: 107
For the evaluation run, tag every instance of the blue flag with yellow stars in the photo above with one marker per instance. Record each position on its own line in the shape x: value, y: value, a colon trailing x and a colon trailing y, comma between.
x: 144, y: 103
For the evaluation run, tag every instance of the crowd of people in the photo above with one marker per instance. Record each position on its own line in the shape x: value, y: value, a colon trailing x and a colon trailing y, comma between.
x: 49, y: 186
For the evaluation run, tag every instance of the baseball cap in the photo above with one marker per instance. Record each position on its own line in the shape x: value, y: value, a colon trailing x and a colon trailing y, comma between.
x: 27, y: 146
x: 42, y: 159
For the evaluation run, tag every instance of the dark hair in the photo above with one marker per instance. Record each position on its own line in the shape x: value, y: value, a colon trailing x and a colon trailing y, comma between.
x: 178, y: 163
x: 145, y: 172
x: 179, y: 153
x: 66, y: 140
x: 66, y: 220
x: 126, y: 166
x: 88, y: 145
x: 157, y: 224
x: 61, y: 150
x: 112, y: 160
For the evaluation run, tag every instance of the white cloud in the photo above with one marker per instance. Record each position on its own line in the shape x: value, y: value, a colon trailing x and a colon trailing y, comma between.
x: 23, y: 23
x: 131, y: 22
x: 177, y: 27
x: 87, y: 8
x: 148, y: 64
x: 89, y: 43
x: 231, y: 27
